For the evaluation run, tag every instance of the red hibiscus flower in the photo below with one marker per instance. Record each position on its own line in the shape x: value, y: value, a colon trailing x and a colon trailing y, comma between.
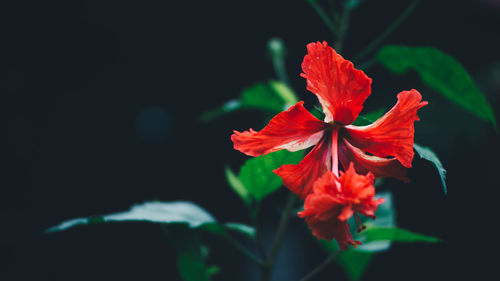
x: 341, y: 90
x: 334, y: 200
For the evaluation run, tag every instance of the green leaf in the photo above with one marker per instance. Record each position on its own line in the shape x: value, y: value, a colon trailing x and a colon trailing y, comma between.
x: 272, y: 97
x: 237, y: 186
x: 257, y: 173
x: 394, y: 234
x: 191, y: 254
x: 241, y: 228
x: 442, y: 73
x: 284, y: 92
x: 262, y: 96
x: 427, y: 154
x: 177, y: 212
x: 192, y: 267
x: 369, y: 117
x: 355, y: 263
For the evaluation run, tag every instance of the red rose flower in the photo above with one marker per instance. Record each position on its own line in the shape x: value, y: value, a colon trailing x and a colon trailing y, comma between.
x: 341, y: 90
x: 334, y: 200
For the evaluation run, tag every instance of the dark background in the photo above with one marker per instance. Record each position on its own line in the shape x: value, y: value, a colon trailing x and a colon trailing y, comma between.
x: 100, y: 105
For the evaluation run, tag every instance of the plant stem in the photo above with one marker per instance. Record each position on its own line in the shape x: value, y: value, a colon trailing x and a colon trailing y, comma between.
x: 343, y: 26
x: 251, y: 256
x: 320, y: 267
x: 258, y: 229
x: 324, y: 17
x: 375, y: 43
x: 278, y: 239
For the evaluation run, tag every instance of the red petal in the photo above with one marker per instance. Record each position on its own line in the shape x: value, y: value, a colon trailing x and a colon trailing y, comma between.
x: 301, y: 177
x: 346, y: 213
x: 392, y: 134
x: 340, y: 88
x: 380, y: 167
x: 356, y: 185
x: 321, y: 211
x: 321, y: 206
x: 294, y: 129
x: 332, y: 228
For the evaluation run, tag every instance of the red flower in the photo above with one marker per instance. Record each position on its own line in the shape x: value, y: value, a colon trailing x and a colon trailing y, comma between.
x: 334, y: 200
x: 341, y: 90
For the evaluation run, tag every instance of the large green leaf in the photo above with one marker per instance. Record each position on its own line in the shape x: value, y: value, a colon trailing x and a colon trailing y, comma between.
x: 257, y: 173
x: 427, y: 154
x: 394, y: 234
x: 441, y: 72
x: 272, y: 97
x: 182, y: 212
x: 176, y: 212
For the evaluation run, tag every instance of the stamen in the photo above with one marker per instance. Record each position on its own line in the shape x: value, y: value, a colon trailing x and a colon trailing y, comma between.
x: 359, y: 224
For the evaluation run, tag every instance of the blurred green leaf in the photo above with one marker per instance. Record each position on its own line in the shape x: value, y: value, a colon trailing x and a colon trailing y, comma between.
x: 257, y: 173
x: 183, y: 212
x: 212, y: 270
x: 262, y: 96
x: 237, y: 186
x: 355, y: 263
x: 394, y: 234
x: 191, y: 254
x: 441, y: 72
x: 272, y: 97
x: 284, y: 92
x: 192, y: 267
x: 241, y: 228
x: 427, y: 154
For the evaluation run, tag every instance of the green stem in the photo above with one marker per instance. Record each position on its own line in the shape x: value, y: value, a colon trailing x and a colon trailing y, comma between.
x: 324, y: 17
x: 343, y: 26
x: 374, y: 44
x: 278, y: 239
x: 247, y: 253
x: 258, y: 230
x: 320, y: 267
x: 280, y: 68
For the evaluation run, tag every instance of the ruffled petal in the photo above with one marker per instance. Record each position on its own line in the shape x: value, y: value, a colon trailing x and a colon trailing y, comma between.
x: 356, y: 185
x: 321, y: 206
x: 340, y: 88
x: 392, y: 134
x: 332, y: 228
x: 301, y: 177
x: 363, y: 163
x: 294, y: 129
x: 346, y: 213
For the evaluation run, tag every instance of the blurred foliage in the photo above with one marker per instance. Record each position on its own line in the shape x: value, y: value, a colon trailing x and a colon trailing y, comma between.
x: 429, y: 155
x: 272, y: 97
x: 442, y: 73
x: 256, y: 179
x: 191, y: 254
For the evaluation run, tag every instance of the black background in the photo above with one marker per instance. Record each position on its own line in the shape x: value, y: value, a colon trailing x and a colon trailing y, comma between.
x: 100, y: 105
